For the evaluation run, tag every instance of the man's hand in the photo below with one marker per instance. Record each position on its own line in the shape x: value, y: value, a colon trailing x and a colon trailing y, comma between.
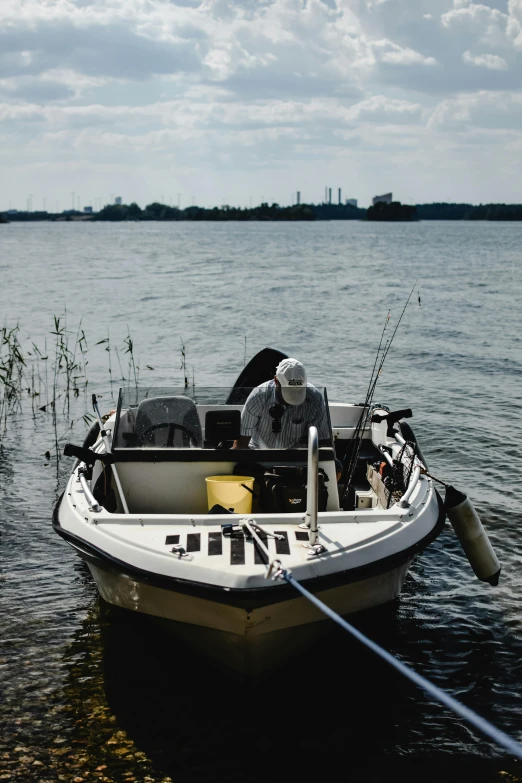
x: 242, y: 442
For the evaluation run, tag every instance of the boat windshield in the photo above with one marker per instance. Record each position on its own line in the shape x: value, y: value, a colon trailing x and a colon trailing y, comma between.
x: 205, y: 418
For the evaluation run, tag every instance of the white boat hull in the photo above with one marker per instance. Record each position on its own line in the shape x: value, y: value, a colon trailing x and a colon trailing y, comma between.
x: 247, y: 640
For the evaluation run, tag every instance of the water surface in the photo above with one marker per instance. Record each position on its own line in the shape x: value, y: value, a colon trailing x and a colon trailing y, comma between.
x: 96, y: 694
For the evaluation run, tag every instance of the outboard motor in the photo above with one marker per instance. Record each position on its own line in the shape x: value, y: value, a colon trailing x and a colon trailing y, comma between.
x: 472, y: 536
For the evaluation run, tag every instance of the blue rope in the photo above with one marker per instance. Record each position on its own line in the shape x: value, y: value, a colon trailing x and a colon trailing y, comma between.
x: 438, y: 694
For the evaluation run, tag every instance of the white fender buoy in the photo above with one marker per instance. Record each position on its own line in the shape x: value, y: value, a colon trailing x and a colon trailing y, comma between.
x: 472, y: 536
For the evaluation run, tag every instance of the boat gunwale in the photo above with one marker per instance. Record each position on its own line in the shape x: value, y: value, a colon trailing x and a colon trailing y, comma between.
x: 250, y: 597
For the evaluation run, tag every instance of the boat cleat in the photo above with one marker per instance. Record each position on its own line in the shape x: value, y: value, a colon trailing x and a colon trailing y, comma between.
x: 316, y: 550
x: 181, y: 552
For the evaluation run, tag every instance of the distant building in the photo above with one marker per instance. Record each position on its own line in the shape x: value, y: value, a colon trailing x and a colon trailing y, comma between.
x: 87, y: 210
x: 11, y: 212
x: 386, y: 199
x: 351, y: 202
x: 117, y: 201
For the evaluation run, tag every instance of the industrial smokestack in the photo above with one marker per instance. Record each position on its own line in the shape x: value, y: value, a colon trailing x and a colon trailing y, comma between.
x: 329, y: 195
x: 340, y: 202
x: 298, y: 197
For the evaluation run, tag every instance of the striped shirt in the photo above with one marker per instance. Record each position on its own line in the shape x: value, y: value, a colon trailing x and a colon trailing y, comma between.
x: 295, y: 421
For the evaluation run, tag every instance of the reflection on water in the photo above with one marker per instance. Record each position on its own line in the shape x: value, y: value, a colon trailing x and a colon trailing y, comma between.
x: 141, y: 702
x: 134, y: 703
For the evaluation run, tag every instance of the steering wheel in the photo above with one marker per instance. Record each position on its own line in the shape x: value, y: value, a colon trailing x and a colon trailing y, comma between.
x: 170, y: 437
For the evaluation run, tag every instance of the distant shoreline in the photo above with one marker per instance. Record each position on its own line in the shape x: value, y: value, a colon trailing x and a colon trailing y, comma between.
x: 394, y: 212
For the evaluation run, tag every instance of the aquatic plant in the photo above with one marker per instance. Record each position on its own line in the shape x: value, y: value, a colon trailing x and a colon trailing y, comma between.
x: 184, y: 362
x: 12, y: 366
x: 49, y: 380
x: 52, y: 378
x: 107, y: 342
x: 130, y: 351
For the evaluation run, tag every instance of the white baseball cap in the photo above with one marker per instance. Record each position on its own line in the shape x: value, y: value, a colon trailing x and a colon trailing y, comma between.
x: 291, y: 374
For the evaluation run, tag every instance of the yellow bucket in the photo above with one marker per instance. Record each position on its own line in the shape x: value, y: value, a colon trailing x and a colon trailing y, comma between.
x: 229, y: 492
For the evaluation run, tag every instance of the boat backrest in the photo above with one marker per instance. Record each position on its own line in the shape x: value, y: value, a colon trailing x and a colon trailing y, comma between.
x: 154, y: 416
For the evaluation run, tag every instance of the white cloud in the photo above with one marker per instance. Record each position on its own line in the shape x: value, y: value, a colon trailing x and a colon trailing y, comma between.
x: 389, y: 52
x: 491, y: 61
x: 388, y: 110
x: 483, y: 109
x: 481, y: 23
x: 515, y: 22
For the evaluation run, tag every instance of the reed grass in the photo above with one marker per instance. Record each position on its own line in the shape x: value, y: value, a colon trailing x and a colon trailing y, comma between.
x: 12, y: 373
x: 107, y: 343
x: 50, y: 379
x: 133, y: 369
x: 35, y: 381
x: 184, y: 362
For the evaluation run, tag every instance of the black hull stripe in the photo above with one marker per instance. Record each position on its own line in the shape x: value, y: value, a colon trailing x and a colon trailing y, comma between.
x: 247, y: 598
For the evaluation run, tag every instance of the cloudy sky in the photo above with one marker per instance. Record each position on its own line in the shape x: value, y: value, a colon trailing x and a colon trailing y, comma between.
x: 223, y: 101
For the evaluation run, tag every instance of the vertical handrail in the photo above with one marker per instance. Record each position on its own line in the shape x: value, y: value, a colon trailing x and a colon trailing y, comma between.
x: 405, y: 500
x: 91, y: 500
x: 312, y: 485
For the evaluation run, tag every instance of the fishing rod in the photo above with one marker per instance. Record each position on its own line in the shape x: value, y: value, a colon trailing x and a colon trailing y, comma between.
x: 388, y: 346
x: 377, y: 358
x: 374, y: 380
x: 347, y: 469
x: 348, y: 472
x: 396, y: 327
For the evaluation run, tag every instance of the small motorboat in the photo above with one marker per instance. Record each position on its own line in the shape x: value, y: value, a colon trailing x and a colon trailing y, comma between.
x: 174, y: 523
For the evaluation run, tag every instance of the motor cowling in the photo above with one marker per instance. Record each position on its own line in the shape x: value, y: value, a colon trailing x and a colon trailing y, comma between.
x: 472, y: 536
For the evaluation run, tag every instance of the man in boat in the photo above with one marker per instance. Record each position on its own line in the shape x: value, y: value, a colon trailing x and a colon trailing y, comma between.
x: 278, y: 413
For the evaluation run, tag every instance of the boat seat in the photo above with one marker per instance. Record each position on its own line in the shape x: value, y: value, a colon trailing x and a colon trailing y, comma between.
x: 168, y: 422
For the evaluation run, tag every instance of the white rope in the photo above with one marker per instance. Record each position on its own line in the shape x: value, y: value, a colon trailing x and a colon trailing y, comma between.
x: 432, y: 690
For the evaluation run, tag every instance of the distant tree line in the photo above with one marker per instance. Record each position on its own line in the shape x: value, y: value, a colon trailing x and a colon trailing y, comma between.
x: 338, y: 212
x: 379, y: 212
x: 157, y: 211
x: 394, y: 211
x: 469, y: 211
x: 26, y: 217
